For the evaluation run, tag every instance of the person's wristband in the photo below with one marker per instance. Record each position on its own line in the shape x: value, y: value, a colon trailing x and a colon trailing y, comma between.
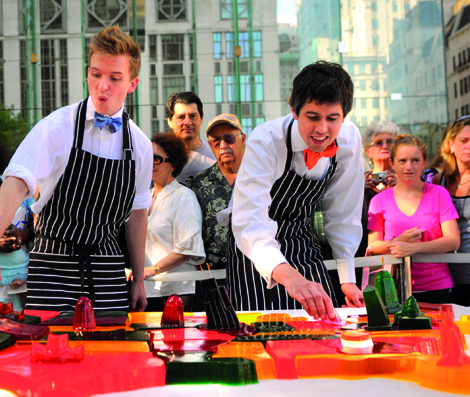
x: 157, y: 269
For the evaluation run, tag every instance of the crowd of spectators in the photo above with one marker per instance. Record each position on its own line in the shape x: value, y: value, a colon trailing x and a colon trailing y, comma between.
x: 193, y: 181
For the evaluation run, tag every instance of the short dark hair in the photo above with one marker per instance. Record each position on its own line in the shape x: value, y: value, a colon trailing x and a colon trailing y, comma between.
x: 174, y: 148
x: 187, y: 98
x: 325, y: 83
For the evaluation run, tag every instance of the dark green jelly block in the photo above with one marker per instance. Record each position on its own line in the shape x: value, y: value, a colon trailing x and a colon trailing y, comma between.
x: 6, y: 340
x: 263, y: 338
x: 411, y: 317
x: 272, y: 326
x: 377, y: 315
x: 200, y: 369
x: 387, y: 291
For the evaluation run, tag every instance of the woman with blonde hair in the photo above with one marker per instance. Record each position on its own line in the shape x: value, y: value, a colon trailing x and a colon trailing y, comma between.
x: 455, y: 151
x: 428, y: 209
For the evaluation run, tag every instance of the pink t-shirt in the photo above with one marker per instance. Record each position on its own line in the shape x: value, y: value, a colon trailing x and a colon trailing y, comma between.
x: 434, y: 208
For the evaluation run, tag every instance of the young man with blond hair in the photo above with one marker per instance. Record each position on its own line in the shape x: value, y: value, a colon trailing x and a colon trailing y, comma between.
x: 93, y: 166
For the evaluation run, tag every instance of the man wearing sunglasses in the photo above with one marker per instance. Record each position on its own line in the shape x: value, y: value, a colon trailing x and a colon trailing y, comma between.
x: 185, y: 116
x: 274, y: 261
x: 214, y: 186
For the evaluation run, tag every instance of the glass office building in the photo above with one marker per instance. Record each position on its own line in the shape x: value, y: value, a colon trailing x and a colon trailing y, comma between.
x: 235, y: 55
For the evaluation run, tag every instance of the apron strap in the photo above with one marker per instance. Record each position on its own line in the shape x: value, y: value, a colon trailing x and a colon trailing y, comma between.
x: 84, y: 263
x: 290, y: 153
x: 127, y: 147
x: 80, y: 124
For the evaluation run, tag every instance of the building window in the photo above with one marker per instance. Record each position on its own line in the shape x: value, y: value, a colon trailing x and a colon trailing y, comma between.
x: 375, y: 103
x: 173, y: 47
x: 247, y: 124
x: 257, y: 44
x: 364, y: 103
x: 23, y: 82
x: 153, y: 104
x: 129, y: 105
x: 245, y: 88
x: 48, y: 87
x: 456, y: 114
x: 226, y: 9
x: 64, y: 73
x: 172, y: 85
x: 455, y: 90
x: 53, y: 69
x: 362, y: 85
x: 52, y: 15
x: 259, y: 91
x: 244, y: 42
x: 102, y: 13
x: 153, y: 48
x: 231, y: 88
x: 171, y: 10
x: 217, y: 40
x: 219, y: 91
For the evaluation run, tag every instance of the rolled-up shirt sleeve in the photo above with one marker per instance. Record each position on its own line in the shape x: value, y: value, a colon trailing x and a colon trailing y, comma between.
x: 187, y: 229
x: 44, y: 152
x: 143, y: 178
x: 342, y: 203
x: 253, y: 229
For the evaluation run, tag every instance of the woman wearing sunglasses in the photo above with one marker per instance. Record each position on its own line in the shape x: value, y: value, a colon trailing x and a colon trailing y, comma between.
x: 174, y: 242
x: 455, y: 150
x: 415, y: 217
x: 377, y: 143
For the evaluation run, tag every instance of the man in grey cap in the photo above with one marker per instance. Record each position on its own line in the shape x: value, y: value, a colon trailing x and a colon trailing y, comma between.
x: 214, y: 186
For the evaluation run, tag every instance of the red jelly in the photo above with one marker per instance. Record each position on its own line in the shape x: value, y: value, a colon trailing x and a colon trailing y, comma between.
x: 6, y: 308
x: 173, y: 313
x: 57, y: 350
x: 84, y: 319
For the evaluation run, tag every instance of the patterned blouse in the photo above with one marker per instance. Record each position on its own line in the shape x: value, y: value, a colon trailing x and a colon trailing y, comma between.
x: 213, y: 193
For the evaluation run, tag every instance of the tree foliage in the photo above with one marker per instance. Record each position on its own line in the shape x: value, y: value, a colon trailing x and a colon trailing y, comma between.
x: 13, y: 129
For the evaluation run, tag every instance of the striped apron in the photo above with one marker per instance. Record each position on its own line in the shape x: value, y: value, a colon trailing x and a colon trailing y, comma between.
x: 293, y: 200
x: 75, y: 252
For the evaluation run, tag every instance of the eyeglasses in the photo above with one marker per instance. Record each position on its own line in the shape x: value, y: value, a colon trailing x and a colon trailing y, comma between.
x: 381, y: 142
x: 459, y: 120
x: 159, y: 159
x: 229, y: 139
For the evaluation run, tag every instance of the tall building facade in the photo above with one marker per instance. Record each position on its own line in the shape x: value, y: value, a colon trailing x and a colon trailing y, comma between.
x: 394, y: 52
x: 183, y: 49
x: 458, y: 60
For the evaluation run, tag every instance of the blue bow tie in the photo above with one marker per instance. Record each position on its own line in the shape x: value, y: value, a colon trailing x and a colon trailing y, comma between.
x: 114, y: 124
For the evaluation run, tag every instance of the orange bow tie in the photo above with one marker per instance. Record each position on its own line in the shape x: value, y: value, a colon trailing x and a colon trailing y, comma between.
x: 311, y: 158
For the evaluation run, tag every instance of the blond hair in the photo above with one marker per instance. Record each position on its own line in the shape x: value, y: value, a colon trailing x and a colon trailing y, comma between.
x: 451, y: 171
x: 408, y: 140
x: 113, y: 41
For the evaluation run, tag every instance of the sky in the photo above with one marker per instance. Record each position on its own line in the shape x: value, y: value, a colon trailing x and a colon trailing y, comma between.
x: 286, y: 12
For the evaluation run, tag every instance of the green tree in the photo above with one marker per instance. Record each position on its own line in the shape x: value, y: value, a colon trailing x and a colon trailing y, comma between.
x: 13, y: 129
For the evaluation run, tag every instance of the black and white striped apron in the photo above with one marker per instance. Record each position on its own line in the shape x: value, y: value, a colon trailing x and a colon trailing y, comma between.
x: 75, y: 252
x: 293, y: 200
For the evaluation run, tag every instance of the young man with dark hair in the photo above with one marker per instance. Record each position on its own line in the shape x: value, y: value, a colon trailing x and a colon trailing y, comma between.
x: 185, y: 114
x: 93, y: 166
x: 289, y: 165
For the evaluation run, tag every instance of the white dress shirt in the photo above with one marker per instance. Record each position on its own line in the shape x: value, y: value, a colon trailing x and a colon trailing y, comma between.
x: 42, y: 157
x: 264, y: 162
x: 174, y: 225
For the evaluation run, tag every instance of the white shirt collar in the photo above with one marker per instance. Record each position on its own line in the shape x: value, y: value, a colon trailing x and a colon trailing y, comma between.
x: 90, y: 111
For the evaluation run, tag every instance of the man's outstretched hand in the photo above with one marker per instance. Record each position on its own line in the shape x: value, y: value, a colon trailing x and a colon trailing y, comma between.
x: 353, y: 295
x: 311, y: 295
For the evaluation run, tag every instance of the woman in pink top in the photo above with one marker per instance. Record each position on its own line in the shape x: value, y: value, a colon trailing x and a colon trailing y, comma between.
x: 415, y: 218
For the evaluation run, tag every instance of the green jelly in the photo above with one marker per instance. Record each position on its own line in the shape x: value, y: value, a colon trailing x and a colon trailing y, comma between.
x: 272, y: 326
x: 411, y: 317
x: 200, y: 368
x: 6, y: 340
x: 387, y: 291
x: 377, y: 315
x: 263, y: 338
